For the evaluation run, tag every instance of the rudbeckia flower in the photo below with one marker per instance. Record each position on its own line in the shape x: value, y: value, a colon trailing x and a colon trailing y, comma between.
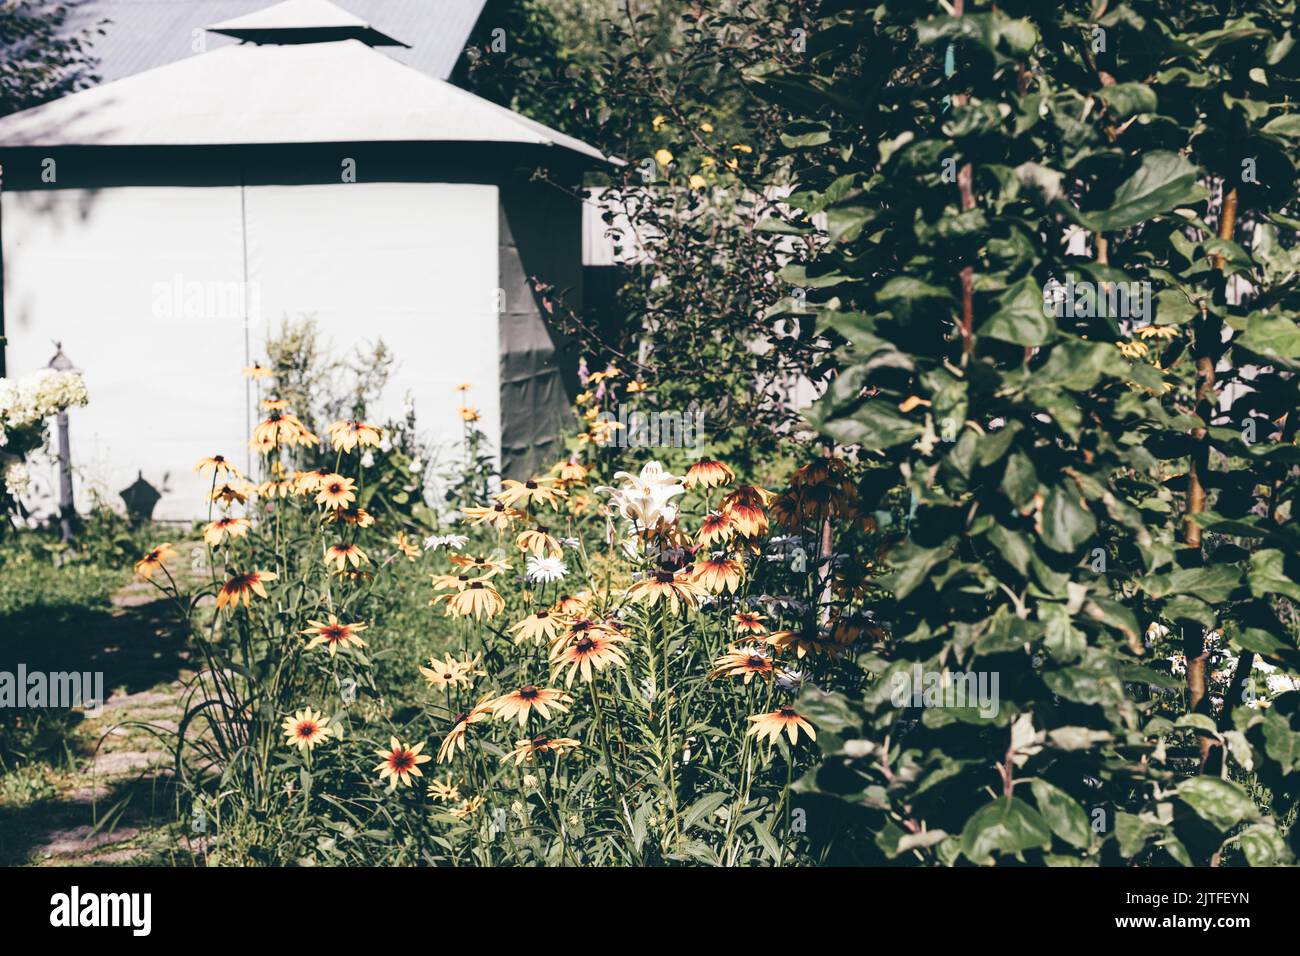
x: 785, y: 719
x: 341, y: 555
x: 536, y: 627
x: 539, y: 542
x: 677, y: 588
x: 747, y: 662
x: 406, y: 546
x: 333, y: 634
x: 242, y: 587
x: 229, y: 494
x: 310, y: 482
x: 715, y: 529
x: 571, y: 604
x: 217, y: 465
x: 449, y: 672
x: 357, y: 517
x: 306, y: 729
x: 748, y: 622
x: 718, y: 575
x: 444, y: 790
x: 468, y: 413
x: 281, y: 428
x: 401, y: 763
x: 525, y: 750
x: 217, y: 531
x: 744, y: 507
x: 498, y: 516
x: 347, y: 435
x: 467, y: 807
x: 478, y: 600
x: 707, y: 473
x: 469, y: 562
x: 257, y: 371
x: 802, y: 643
x: 571, y: 471
x: 539, y: 490
x: 154, y: 560
x: 453, y: 582
x: 597, y: 649
x: 336, y: 492
x: 522, y: 702
x: 455, y: 739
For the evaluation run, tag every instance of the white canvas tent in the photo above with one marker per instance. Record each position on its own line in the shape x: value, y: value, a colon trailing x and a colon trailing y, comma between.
x: 159, y: 225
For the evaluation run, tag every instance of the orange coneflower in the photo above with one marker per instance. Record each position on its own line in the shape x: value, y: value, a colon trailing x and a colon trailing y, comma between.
x: 802, y: 644
x: 450, y: 672
x: 242, y: 587
x: 718, y: 575
x: 306, y: 729
x: 453, y: 582
x: 217, y: 465
x: 536, y: 627
x: 154, y: 560
x: 748, y: 662
x: 336, y: 492
x: 341, y: 555
x: 748, y: 622
x: 598, y: 649
x: 406, y: 546
x: 334, y: 635
x: 539, y: 490
x: 444, y: 790
x: 715, y: 529
x: 497, y: 516
x: 744, y: 507
x: 277, y: 486
x: 570, y: 604
x: 280, y: 428
x: 525, y: 750
x: 258, y: 371
x: 228, y: 494
x: 782, y: 719
x: 675, y: 587
x: 539, y: 542
x: 489, y: 566
x: 571, y: 471
x: 222, y: 528
x: 522, y: 702
x: 455, y: 739
x: 401, y: 763
x: 468, y: 413
x: 310, y: 482
x: 707, y: 473
x: 347, y: 435
x: 478, y: 600
x: 357, y: 517
x: 467, y: 806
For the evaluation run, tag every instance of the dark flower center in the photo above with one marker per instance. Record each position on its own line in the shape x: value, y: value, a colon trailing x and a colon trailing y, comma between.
x: 584, y: 645
x: 402, y: 761
x: 530, y: 485
x: 529, y: 693
x: 664, y: 577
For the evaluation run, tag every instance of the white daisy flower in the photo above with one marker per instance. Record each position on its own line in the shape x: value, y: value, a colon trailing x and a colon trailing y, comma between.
x: 544, y: 570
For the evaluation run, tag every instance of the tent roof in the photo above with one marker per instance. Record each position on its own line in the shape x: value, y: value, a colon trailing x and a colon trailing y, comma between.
x: 334, y: 92
x: 143, y: 34
x: 302, y: 21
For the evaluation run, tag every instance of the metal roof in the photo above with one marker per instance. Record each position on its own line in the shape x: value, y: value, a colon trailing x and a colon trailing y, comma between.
x: 145, y: 34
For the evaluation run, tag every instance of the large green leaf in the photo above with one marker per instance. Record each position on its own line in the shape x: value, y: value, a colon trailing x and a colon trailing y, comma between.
x: 1164, y: 181
x: 1008, y: 825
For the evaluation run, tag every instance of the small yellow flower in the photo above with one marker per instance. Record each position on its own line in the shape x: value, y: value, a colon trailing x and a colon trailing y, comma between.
x: 401, y: 763
x: 154, y: 560
x: 697, y: 181
x: 306, y: 729
x: 1133, y: 350
x: 706, y: 127
x: 663, y: 157
x: 1165, y: 332
x: 224, y: 528
x: 341, y: 555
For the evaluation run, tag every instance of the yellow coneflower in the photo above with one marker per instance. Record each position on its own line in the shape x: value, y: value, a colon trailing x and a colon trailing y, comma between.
x: 802, y: 644
x: 636, y: 385
x: 534, y: 490
x: 406, y: 546
x: 341, y: 555
x: 276, y: 487
x: 536, y: 627
x: 715, y: 529
x: 357, y: 517
x: 525, y: 750
x: 281, y: 428
x: 229, y: 494
x: 571, y: 471
x: 310, y: 482
x: 217, y: 465
x: 744, y: 507
x: 677, y: 588
x: 257, y: 371
x: 346, y: 435
x: 306, y: 729
x: 539, y: 542
x: 468, y: 413
x: 217, y: 531
x: 450, y: 672
x: 597, y: 649
x: 154, y: 560
x: 785, y: 719
x: 748, y: 622
x: 707, y: 473
x: 718, y: 575
x: 571, y: 604
x: 1163, y: 332
x: 336, y: 492
x: 454, y: 582
x: 747, y: 662
x: 522, y: 702
x: 444, y: 790
x: 467, y: 807
x: 489, y: 566
x: 1133, y: 350
x: 455, y: 739
x: 401, y: 763
x: 478, y: 600
x: 333, y: 634
x: 463, y: 387
x: 242, y: 587
x: 498, y: 516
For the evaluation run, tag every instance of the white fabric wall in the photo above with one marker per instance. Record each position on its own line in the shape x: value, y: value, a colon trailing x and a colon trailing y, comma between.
x: 415, y: 264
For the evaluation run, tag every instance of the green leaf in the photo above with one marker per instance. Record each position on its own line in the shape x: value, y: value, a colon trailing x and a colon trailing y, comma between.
x: 1164, y: 181
x: 1268, y: 575
x: 1128, y: 99
x: 1067, y: 524
x: 1062, y: 813
x: 1007, y: 825
x: 1021, y: 318
x: 1217, y: 802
